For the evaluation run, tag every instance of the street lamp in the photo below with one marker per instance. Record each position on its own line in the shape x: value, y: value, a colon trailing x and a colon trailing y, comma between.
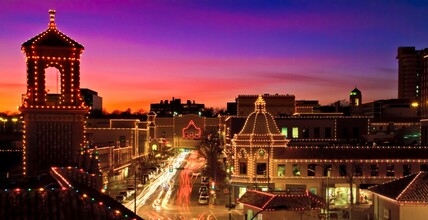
x: 14, y: 120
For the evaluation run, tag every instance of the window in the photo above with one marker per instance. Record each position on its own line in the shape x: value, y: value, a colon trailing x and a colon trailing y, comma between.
x: 296, y: 170
x: 261, y: 168
x: 305, y: 132
x: 281, y: 170
x: 407, y: 169
x: 295, y: 132
x: 242, y: 168
x: 374, y: 170
x: 328, y: 132
x: 390, y: 170
x: 342, y: 170
x: 284, y: 131
x: 345, y: 133
x: 356, y: 132
x: 317, y: 132
x: 327, y: 170
x: 424, y: 167
x: 311, y: 169
x: 358, y: 169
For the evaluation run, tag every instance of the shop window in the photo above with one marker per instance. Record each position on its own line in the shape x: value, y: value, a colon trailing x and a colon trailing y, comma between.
x: 327, y: 170
x: 311, y: 169
x: 424, y: 167
x: 342, y: 170
x: 281, y: 170
x: 358, y: 169
x: 390, y: 170
x: 296, y: 170
x: 242, y: 168
x: 328, y: 132
x: 261, y: 169
x: 374, y: 170
x: 317, y: 132
x: 407, y: 169
x: 295, y: 132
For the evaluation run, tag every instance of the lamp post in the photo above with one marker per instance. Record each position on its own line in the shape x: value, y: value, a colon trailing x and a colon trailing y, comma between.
x: 229, y: 174
x: 327, y: 196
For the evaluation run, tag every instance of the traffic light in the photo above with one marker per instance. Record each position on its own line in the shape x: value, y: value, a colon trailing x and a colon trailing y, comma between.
x: 170, y: 168
x: 213, y: 185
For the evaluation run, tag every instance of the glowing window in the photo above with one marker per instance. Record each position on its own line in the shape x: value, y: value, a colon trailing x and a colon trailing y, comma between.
x: 284, y: 131
x: 295, y: 132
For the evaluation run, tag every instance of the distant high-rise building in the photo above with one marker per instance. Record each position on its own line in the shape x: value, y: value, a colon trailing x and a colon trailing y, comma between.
x: 91, y: 99
x: 424, y: 86
x: 53, y: 124
x: 409, y: 73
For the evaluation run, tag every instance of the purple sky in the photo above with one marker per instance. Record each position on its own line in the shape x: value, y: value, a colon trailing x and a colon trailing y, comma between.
x: 139, y: 52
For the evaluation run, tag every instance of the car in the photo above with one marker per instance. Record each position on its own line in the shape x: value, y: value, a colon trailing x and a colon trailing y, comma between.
x: 203, y: 198
x: 124, y: 194
x: 231, y: 205
x: 196, y: 174
x: 120, y: 198
x: 204, y: 180
x: 131, y: 188
x: 203, y: 189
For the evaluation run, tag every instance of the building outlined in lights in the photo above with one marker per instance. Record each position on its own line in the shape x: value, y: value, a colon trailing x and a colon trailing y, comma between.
x: 53, y: 132
x: 261, y: 159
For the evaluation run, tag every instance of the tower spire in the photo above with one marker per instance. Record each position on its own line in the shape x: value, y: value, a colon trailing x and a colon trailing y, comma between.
x: 52, y: 19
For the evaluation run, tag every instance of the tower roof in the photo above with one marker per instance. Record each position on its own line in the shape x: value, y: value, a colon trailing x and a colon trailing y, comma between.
x: 356, y: 91
x: 52, y: 37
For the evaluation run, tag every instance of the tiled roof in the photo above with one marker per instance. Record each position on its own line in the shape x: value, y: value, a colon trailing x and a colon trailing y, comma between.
x: 281, y: 200
x: 412, y: 188
x: 57, y: 204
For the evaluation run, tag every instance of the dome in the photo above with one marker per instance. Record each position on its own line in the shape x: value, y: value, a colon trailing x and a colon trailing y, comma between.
x: 260, y: 128
x: 260, y: 121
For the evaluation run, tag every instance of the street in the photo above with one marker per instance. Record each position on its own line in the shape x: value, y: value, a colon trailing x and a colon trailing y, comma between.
x: 174, y: 195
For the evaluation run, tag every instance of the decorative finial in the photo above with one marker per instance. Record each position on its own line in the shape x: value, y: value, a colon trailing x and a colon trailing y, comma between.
x: 52, y: 19
x: 260, y: 104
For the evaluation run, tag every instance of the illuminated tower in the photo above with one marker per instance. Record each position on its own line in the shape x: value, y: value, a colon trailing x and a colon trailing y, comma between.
x: 355, y: 98
x: 53, y: 123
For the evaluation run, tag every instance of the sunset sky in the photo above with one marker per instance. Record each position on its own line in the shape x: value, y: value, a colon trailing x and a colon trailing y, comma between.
x: 139, y: 52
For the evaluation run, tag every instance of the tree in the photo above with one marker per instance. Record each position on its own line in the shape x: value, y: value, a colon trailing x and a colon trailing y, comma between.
x: 209, y: 148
